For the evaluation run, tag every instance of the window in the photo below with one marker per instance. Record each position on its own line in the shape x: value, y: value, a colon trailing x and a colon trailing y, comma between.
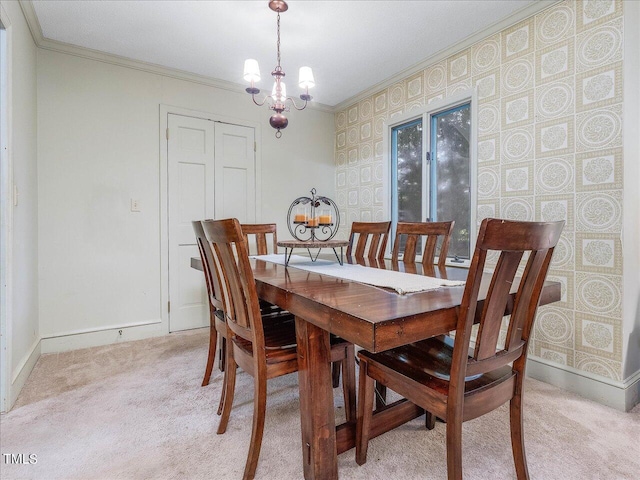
x: 432, y: 172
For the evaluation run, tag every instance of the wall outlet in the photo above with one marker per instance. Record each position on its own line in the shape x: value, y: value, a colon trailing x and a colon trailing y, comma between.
x: 135, y: 205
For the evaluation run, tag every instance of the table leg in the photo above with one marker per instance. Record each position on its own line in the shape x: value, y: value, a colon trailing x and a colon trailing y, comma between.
x: 287, y: 257
x: 317, y: 419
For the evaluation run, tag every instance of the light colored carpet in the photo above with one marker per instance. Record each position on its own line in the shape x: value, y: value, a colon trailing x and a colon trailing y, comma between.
x: 137, y: 410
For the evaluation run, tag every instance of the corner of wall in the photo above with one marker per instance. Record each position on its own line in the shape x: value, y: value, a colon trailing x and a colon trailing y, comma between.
x: 22, y: 371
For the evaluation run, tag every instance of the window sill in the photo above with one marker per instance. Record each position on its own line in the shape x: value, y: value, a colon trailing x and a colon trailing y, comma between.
x: 459, y: 264
x: 449, y: 263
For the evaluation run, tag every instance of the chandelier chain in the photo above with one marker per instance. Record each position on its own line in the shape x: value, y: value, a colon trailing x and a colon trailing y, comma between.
x: 278, y: 44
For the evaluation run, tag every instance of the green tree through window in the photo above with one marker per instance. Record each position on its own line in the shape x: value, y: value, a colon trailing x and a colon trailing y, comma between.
x: 450, y: 177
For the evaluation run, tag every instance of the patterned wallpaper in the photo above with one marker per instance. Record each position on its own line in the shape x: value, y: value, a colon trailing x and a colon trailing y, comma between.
x: 549, y: 147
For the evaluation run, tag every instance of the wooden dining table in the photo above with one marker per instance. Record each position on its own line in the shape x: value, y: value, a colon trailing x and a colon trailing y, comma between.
x: 374, y: 318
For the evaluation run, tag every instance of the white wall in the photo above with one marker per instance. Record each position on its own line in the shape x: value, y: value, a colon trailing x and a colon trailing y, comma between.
x: 22, y: 320
x: 99, y: 146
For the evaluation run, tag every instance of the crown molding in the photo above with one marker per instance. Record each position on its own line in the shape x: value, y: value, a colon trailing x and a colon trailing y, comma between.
x: 69, y: 49
x: 496, y: 27
x: 83, y: 52
x: 32, y: 20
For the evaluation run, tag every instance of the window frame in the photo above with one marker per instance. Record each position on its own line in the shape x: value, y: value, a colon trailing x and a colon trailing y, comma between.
x: 426, y: 113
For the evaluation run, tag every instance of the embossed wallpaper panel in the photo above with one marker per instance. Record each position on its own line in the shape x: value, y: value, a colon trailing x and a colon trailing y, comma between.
x: 549, y: 92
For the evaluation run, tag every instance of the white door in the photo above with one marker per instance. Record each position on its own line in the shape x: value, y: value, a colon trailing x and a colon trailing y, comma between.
x: 211, y: 175
x: 191, y: 157
x: 235, y: 173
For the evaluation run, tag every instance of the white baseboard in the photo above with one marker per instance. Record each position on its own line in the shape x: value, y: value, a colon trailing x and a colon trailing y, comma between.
x: 22, y: 371
x: 66, y: 341
x: 632, y: 391
x: 619, y: 395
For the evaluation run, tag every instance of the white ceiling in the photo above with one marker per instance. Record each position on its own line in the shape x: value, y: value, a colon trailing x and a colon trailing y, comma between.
x: 351, y: 45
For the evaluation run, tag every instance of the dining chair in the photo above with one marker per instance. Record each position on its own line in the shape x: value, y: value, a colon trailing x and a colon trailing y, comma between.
x: 256, y: 234
x: 216, y: 315
x: 371, y: 239
x: 413, y: 232
x: 431, y: 233
x: 441, y: 376
x: 262, y: 349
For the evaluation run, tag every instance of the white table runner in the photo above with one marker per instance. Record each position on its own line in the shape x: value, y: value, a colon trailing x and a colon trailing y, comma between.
x: 401, y: 282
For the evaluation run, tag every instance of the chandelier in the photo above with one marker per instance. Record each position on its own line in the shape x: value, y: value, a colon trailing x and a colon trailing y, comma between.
x: 278, y: 98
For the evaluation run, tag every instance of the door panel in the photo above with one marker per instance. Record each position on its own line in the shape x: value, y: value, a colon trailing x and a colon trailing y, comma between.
x: 235, y: 200
x: 192, y: 295
x: 235, y: 173
x: 192, y: 203
x: 191, y: 157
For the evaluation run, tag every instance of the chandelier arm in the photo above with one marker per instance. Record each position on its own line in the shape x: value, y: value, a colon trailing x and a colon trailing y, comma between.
x: 293, y: 102
x: 253, y: 96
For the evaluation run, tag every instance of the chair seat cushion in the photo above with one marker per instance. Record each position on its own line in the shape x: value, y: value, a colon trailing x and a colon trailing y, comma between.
x: 279, y: 339
x: 267, y: 308
x: 428, y: 362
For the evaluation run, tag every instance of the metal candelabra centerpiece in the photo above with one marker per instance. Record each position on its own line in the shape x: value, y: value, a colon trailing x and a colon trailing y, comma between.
x: 314, y: 218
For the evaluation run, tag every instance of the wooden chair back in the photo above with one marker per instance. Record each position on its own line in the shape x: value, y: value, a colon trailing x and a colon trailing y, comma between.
x: 513, y: 240
x: 208, y: 266
x: 239, y: 295
x: 260, y: 231
x: 372, y: 239
x: 431, y: 232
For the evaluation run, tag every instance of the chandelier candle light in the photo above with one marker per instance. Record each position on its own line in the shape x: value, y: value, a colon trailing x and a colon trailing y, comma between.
x: 278, y: 98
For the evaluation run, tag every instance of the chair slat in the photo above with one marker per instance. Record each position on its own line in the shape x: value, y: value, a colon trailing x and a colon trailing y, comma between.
x: 531, y: 288
x: 495, y: 304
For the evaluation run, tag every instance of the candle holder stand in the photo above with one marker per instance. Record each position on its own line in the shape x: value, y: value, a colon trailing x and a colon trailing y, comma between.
x: 321, y: 221
x: 313, y: 222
